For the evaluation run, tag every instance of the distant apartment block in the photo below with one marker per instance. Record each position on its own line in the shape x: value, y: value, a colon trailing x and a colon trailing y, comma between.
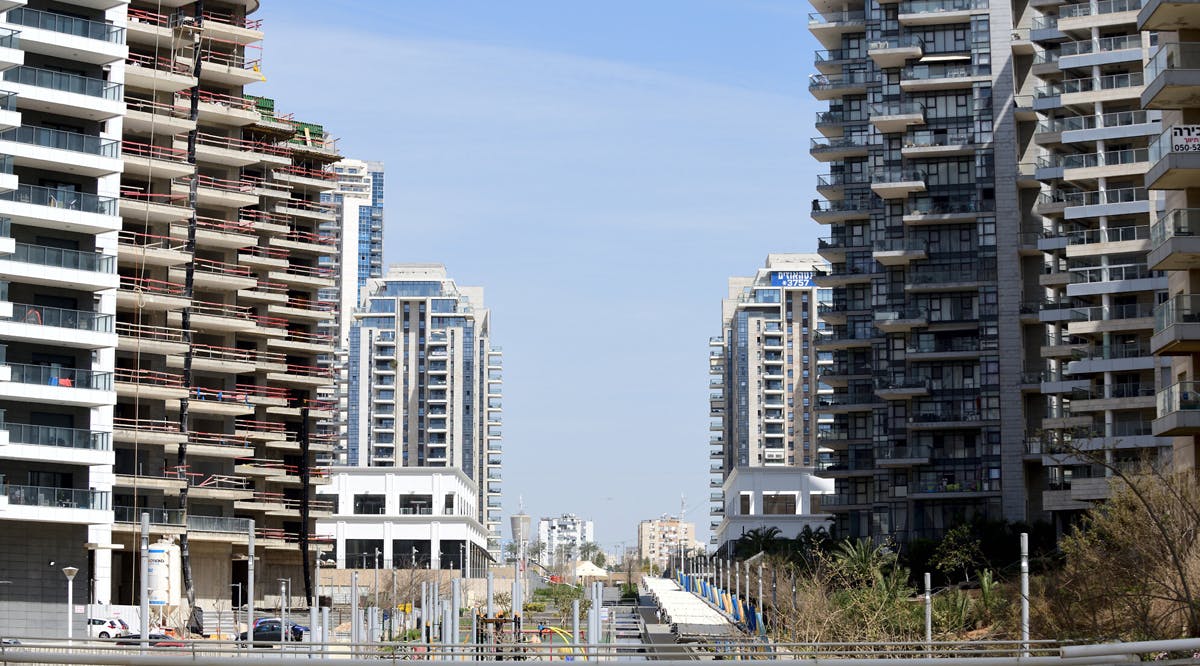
x: 765, y: 385
x: 426, y: 382
x: 662, y: 539
x: 561, y: 537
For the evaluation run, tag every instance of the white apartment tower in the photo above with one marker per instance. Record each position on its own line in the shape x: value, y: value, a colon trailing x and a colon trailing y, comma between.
x: 562, y: 536
x: 662, y: 539
x: 764, y: 382
x: 425, y: 382
x: 61, y: 110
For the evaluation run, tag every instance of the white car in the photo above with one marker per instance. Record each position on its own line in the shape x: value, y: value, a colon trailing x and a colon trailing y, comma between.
x: 110, y: 628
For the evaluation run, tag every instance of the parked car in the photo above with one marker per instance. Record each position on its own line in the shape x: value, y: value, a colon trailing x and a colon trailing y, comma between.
x: 156, y: 640
x: 268, y: 631
x: 111, y: 628
x: 295, y: 626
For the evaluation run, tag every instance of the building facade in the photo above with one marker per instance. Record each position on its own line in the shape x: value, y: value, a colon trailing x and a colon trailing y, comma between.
x: 1083, y: 160
x: 60, y: 180
x: 764, y: 378
x: 761, y: 498
x: 426, y: 382
x: 560, y: 538
x: 221, y: 263
x: 404, y: 518
x: 1171, y: 87
x: 661, y: 540
x: 926, y: 415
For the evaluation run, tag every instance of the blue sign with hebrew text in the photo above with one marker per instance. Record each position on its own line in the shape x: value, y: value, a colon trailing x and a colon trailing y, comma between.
x: 791, y: 279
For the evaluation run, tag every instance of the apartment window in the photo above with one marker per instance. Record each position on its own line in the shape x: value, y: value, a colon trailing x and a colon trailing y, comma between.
x: 369, y: 504
x: 745, y: 504
x: 779, y: 504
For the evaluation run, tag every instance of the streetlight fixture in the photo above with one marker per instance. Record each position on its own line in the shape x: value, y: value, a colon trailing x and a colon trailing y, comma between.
x: 284, y: 584
x: 70, y: 572
x: 237, y: 622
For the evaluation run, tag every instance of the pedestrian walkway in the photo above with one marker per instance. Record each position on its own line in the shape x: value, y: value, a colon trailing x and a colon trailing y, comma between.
x: 687, y: 614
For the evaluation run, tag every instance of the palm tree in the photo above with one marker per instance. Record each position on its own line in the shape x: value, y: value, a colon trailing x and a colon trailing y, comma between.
x: 536, y: 550
x: 588, y: 550
x: 759, y: 540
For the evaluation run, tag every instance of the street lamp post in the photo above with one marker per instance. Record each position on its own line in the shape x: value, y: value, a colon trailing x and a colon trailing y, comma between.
x: 283, y: 628
x: 375, y: 562
x: 237, y: 621
x: 70, y: 572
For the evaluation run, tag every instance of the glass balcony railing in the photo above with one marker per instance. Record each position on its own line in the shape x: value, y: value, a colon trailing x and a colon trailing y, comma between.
x: 70, y: 438
x: 1089, y: 160
x: 1179, y: 309
x: 816, y: 18
x: 1110, y: 235
x: 844, y: 206
x: 1074, y: 123
x: 63, y: 498
x: 820, y: 143
x: 1044, y: 22
x: 1112, y: 273
x: 944, y: 71
x: 836, y: 55
x: 129, y: 514
x: 1085, y: 198
x: 1102, y: 45
x: 1102, y: 7
x: 62, y: 258
x: 905, y: 108
x: 1176, y: 222
x: 1090, y: 84
x: 81, y: 320
x: 9, y: 39
x: 836, y: 81
x: 931, y: 138
x: 937, y: 6
x: 1178, y: 56
x: 51, y: 375
x: 67, y: 25
x: 53, y: 138
x: 897, y: 175
x: 1184, y: 396
x: 60, y: 198
x: 64, y: 82
x: 949, y: 207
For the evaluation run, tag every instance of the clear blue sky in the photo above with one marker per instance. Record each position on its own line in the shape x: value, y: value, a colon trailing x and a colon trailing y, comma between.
x: 600, y: 168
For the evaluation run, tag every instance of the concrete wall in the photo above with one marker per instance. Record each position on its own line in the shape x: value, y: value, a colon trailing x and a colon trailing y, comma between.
x: 34, y: 601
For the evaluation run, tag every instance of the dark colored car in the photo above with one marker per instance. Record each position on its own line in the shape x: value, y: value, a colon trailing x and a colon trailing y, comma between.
x: 156, y: 640
x: 270, y: 631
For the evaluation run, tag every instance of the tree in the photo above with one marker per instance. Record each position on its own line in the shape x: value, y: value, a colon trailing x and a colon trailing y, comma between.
x: 1132, y: 567
x: 588, y: 550
x: 535, y: 551
x: 958, y: 550
x: 759, y: 540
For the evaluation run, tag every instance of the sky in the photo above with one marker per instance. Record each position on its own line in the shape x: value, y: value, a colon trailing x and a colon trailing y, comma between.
x: 600, y: 168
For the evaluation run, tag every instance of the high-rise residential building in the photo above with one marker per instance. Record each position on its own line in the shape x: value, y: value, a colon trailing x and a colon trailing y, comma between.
x: 1083, y: 160
x: 925, y: 228
x: 61, y: 116
x: 561, y: 537
x: 1171, y: 87
x: 222, y: 261
x: 662, y: 539
x: 764, y: 390
x: 427, y: 382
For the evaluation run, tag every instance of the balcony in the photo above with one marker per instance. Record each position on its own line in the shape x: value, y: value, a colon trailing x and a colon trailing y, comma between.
x: 151, y: 294
x: 833, y: 185
x: 844, y: 403
x: 832, y: 123
x: 896, y: 182
x: 1090, y: 90
x: 220, y: 109
x: 1175, y: 241
x: 894, y: 456
x: 826, y: 150
x: 841, y: 337
x: 939, y: 12
x: 57, y: 326
x: 1178, y: 409
x: 832, y: 61
x: 150, y: 384
x: 215, y: 316
x: 829, y: 27
x: 58, y: 385
x: 68, y: 37
x: 1171, y: 15
x: 853, y: 463
x: 1079, y: 204
x: 1175, y: 156
x: 899, y: 251
x: 1177, y: 326
x: 80, y: 270
x: 856, y: 271
x: 310, y: 210
x: 65, y: 93
x: 944, y: 349
x: 1113, y: 239
x: 52, y: 149
x: 56, y: 505
x: 945, y: 212
x: 233, y: 152
x: 66, y: 446
x: 900, y: 321
x: 895, y: 51
x: 902, y: 388
x: 144, y: 159
x: 59, y: 209
x: 890, y: 117
x: 938, y: 143
x: 229, y: 69
x: 233, y: 28
x: 835, y: 86
x: 943, y: 76
x: 146, y: 117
